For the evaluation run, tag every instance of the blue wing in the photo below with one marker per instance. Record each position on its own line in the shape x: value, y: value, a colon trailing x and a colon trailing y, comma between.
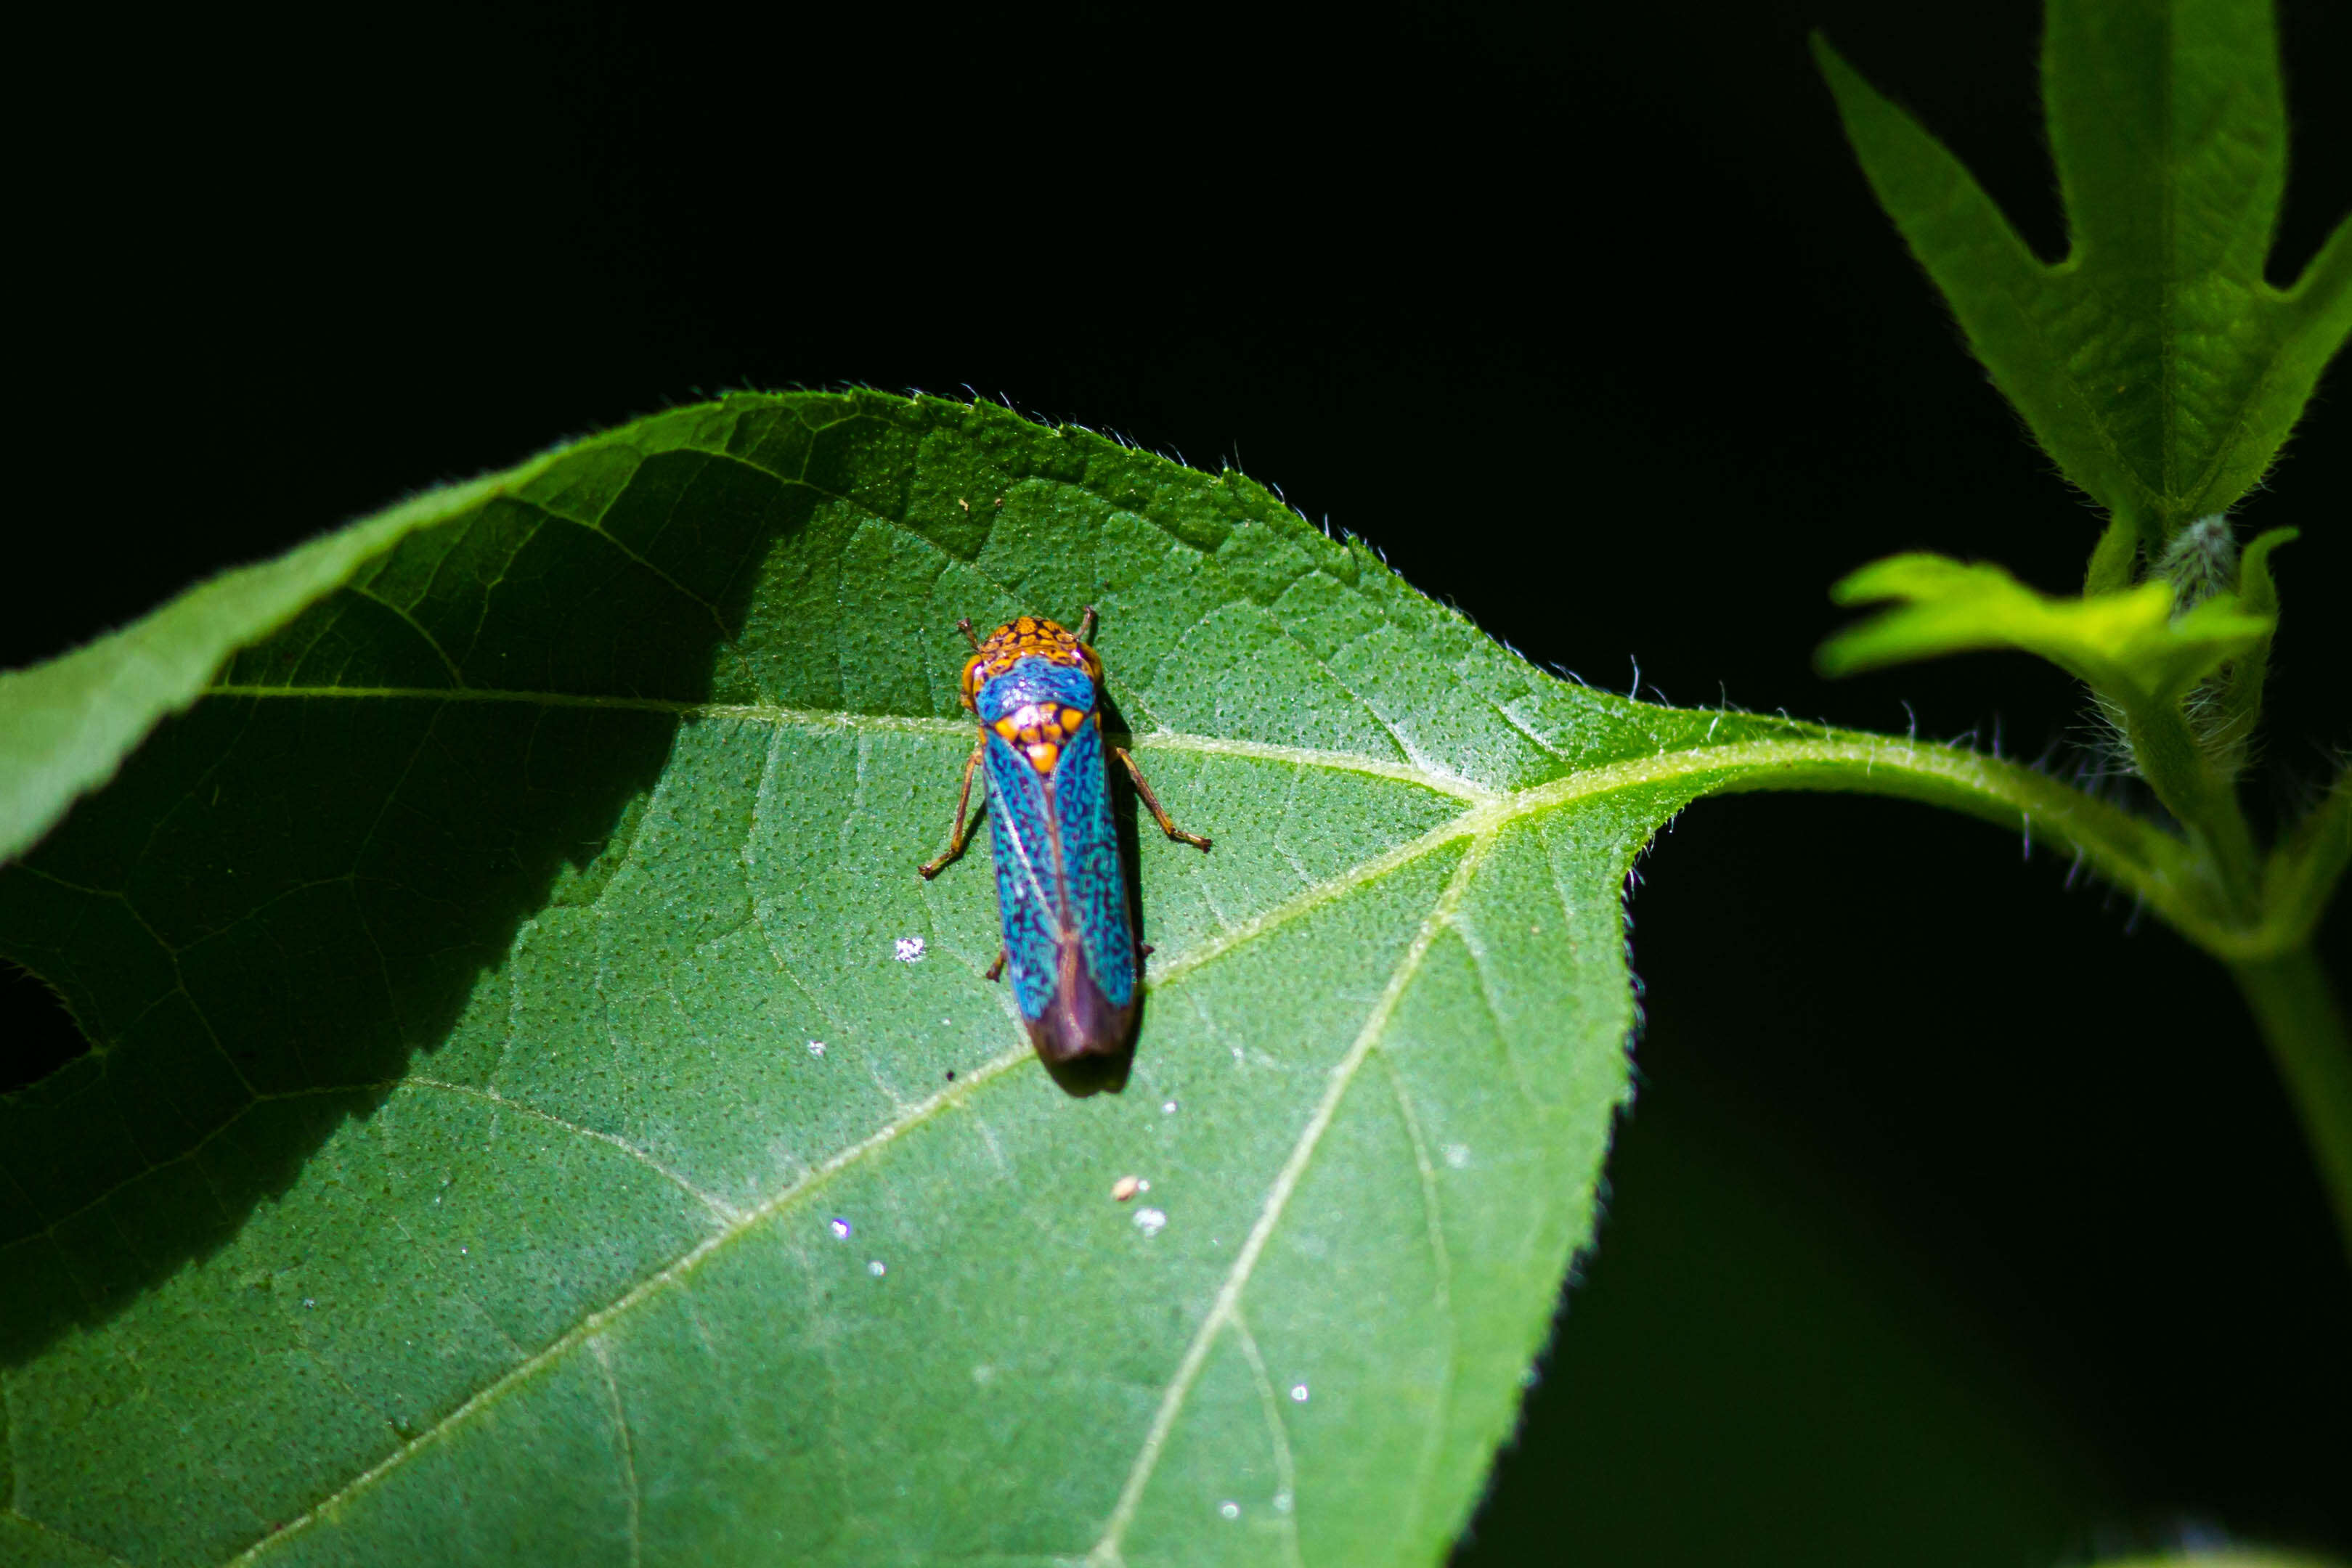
x: 1060, y: 892
x: 1096, y: 886
x: 1029, y: 896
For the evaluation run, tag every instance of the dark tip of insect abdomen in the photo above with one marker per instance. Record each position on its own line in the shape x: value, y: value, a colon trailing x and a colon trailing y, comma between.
x: 1086, y: 1044
x: 1085, y: 1075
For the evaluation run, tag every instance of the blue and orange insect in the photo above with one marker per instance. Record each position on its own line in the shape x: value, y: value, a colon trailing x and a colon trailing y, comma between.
x: 1069, y: 947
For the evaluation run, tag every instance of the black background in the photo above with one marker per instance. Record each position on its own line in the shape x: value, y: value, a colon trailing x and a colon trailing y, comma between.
x: 1585, y: 319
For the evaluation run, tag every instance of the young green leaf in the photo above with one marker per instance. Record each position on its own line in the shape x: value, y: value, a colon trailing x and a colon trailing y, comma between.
x: 2308, y: 863
x: 2155, y: 363
x: 2129, y: 646
x: 2242, y: 698
x: 537, y: 1114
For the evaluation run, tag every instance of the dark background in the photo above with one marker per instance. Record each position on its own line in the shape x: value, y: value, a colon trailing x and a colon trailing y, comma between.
x: 1960, y: 1219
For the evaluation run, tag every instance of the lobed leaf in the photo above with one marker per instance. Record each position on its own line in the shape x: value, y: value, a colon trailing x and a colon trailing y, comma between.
x: 536, y: 1113
x: 2155, y: 363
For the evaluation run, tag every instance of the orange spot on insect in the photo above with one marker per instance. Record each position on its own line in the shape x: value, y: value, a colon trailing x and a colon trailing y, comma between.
x: 1071, y: 720
x: 1044, y: 754
x: 1006, y: 728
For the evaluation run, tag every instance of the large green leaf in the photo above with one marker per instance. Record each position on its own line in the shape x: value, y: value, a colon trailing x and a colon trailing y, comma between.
x: 520, y: 1127
x: 2155, y: 363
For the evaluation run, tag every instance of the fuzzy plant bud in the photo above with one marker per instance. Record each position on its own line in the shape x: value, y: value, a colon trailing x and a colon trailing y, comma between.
x: 2201, y: 561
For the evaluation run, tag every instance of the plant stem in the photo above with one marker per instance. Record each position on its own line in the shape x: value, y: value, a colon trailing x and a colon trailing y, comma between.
x: 2263, y: 934
x: 2305, y: 1028
x: 2206, y: 804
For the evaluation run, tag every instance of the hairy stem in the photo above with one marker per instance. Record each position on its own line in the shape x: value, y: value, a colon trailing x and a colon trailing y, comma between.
x: 2205, y: 889
x: 2203, y: 798
x: 2135, y: 854
x: 2304, y: 1026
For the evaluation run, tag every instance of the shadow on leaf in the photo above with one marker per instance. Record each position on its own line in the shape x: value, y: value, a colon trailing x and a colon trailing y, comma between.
x: 283, y: 899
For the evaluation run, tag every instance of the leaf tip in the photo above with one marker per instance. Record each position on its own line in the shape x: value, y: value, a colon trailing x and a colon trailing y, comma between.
x: 1892, y: 576
x: 1848, y: 86
x: 1842, y: 654
x: 1825, y: 56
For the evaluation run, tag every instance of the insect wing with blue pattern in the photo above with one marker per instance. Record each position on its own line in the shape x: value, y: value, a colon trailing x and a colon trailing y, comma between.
x: 1061, y: 892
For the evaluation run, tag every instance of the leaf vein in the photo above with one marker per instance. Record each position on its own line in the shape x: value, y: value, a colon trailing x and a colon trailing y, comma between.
x: 1278, y: 1201
x: 1285, y: 1473
x: 625, y: 1448
x: 1434, y: 1216
x: 47, y: 1529
x: 360, y: 591
x: 718, y: 1207
x: 595, y: 1323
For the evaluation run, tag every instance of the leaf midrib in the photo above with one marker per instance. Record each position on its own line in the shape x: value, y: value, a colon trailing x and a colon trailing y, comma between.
x: 1444, y: 783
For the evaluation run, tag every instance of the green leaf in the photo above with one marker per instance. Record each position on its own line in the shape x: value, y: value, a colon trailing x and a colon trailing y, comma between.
x: 2309, y: 861
x: 2129, y: 646
x: 2155, y: 363
x: 71, y: 721
x: 2241, y: 696
x: 497, y: 993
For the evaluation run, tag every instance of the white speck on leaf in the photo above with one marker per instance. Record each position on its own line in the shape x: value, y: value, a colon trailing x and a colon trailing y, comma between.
x: 1457, y: 1154
x: 842, y: 1228
x: 1230, y: 1510
x: 1299, y: 1393
x: 1150, y: 1221
x: 1168, y: 1107
x: 909, y: 950
x: 1282, y: 1502
x: 816, y: 1048
x: 876, y: 1269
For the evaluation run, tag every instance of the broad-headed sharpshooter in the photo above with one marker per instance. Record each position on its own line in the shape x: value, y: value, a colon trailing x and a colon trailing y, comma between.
x: 1060, y: 892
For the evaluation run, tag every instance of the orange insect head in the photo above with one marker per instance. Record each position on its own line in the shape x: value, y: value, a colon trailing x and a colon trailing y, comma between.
x: 1030, y: 637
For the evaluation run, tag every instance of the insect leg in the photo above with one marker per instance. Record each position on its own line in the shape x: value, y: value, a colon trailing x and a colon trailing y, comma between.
x: 1086, y: 625
x: 957, y: 836
x: 1159, y: 812
x: 996, y: 970
x: 970, y: 636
